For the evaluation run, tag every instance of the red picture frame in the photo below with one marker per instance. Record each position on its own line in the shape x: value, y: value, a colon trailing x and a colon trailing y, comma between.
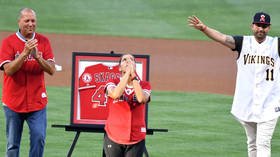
x: 88, y: 101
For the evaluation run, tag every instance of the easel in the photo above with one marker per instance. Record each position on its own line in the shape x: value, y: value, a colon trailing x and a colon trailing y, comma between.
x: 82, y: 60
x: 79, y: 129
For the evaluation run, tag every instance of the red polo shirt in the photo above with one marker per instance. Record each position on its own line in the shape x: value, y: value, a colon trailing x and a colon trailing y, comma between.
x: 25, y: 90
x: 126, y: 120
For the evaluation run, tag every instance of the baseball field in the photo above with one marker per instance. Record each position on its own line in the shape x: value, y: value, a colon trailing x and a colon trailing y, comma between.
x: 192, y: 77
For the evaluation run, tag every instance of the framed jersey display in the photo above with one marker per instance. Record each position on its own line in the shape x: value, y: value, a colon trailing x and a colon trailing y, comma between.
x: 90, y: 72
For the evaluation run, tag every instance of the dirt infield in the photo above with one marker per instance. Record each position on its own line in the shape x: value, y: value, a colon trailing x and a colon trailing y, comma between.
x: 175, y: 65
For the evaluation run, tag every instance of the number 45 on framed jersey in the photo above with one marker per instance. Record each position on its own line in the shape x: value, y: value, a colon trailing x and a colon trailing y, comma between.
x: 90, y: 72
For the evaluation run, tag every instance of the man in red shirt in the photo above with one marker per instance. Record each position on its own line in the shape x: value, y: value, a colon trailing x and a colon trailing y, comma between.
x: 125, y: 127
x: 24, y: 57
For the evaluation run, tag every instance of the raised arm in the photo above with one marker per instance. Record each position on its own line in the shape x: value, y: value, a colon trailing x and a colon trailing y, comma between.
x: 13, y: 66
x: 116, y: 91
x: 224, y: 39
x: 141, y: 95
x: 129, y: 78
x: 46, y: 65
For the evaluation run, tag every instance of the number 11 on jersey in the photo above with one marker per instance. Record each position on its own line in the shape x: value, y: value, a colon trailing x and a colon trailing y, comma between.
x: 269, y: 75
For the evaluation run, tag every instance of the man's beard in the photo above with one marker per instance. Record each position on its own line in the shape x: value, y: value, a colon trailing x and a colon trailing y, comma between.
x: 260, y: 35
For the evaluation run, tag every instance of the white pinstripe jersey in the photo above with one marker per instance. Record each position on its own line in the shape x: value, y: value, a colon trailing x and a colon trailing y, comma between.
x: 257, y: 92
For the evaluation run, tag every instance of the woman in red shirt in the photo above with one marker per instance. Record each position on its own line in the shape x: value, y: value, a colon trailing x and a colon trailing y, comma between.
x: 125, y: 127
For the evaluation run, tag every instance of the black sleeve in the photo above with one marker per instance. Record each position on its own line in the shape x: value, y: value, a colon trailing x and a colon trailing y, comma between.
x: 278, y: 46
x: 238, y: 43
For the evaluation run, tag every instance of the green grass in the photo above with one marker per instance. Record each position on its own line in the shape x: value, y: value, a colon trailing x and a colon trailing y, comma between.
x: 200, y: 125
x: 139, y: 18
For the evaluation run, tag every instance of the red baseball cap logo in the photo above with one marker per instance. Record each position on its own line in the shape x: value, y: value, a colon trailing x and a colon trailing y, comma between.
x: 262, y: 19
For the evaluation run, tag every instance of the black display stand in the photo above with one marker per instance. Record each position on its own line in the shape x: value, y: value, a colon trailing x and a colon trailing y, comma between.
x: 79, y: 129
x: 81, y: 60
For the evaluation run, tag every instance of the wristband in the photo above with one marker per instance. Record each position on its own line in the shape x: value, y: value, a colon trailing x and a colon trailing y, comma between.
x: 203, y: 28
